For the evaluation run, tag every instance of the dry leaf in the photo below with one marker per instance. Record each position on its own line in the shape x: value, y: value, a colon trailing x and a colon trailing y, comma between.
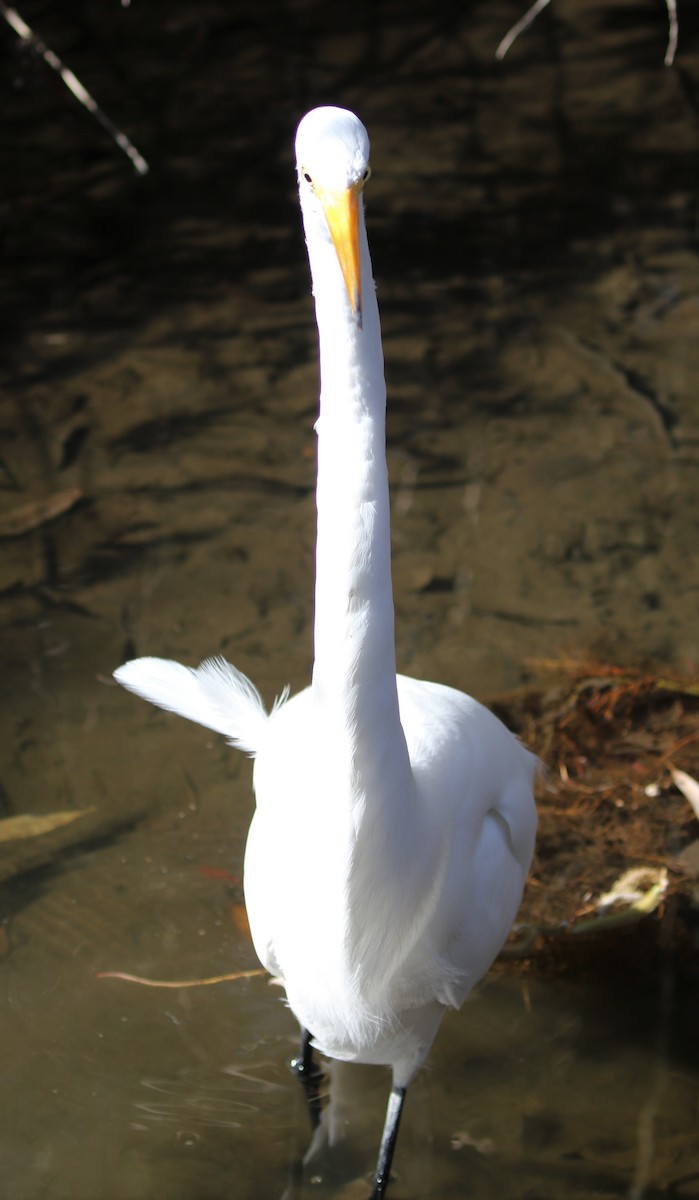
x: 640, y: 890
x: 688, y: 859
x: 240, y: 920
x: 15, y: 829
x: 688, y: 787
x: 37, y: 512
x: 460, y: 1139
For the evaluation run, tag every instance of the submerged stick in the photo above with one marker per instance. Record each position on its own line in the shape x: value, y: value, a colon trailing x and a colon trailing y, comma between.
x: 74, y: 85
x: 19, y: 858
x: 180, y: 983
x: 36, y: 513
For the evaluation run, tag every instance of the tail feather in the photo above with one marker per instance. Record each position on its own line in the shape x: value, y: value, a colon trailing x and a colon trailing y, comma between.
x: 213, y: 694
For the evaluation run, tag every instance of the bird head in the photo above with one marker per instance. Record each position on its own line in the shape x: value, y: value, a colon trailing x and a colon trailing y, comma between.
x: 332, y: 163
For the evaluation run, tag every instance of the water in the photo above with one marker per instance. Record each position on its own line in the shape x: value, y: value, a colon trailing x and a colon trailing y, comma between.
x: 534, y: 235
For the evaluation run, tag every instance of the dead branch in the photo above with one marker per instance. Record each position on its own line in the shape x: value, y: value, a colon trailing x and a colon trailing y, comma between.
x: 532, y: 13
x: 73, y: 84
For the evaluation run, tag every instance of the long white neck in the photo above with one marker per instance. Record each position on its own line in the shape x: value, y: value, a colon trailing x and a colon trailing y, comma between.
x: 354, y: 672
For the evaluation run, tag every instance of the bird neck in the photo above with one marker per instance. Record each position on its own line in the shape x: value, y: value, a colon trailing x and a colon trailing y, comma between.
x: 354, y: 673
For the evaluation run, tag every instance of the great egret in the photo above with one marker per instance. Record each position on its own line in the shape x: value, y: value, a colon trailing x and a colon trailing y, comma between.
x: 395, y: 818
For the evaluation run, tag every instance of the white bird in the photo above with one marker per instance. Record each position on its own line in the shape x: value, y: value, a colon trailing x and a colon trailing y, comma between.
x: 395, y: 820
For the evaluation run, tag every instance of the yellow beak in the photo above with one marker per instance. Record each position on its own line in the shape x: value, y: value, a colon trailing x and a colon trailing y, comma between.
x: 342, y: 214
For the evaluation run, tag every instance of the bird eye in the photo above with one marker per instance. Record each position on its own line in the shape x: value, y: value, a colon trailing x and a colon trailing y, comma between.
x: 307, y: 177
x: 366, y: 175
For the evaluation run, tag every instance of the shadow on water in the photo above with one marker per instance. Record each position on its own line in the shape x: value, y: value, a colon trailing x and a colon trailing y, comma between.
x: 533, y: 226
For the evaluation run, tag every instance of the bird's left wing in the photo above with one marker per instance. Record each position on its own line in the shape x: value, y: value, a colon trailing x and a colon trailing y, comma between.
x: 214, y: 694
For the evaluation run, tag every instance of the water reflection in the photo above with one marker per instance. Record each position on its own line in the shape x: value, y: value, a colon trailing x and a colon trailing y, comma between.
x: 536, y: 1088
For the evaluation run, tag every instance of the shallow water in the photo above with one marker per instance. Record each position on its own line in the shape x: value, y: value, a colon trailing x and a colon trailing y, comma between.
x: 533, y: 227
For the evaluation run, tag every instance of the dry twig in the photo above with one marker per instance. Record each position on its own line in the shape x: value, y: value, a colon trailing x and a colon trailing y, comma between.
x: 532, y: 13
x: 73, y: 84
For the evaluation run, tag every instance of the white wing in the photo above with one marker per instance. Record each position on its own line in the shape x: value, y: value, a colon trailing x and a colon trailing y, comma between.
x: 214, y: 694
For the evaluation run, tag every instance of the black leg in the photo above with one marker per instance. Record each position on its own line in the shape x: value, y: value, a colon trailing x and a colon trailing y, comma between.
x: 309, y: 1073
x: 388, y: 1142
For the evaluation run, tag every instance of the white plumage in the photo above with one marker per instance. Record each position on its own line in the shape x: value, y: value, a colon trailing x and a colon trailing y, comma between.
x: 395, y: 819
